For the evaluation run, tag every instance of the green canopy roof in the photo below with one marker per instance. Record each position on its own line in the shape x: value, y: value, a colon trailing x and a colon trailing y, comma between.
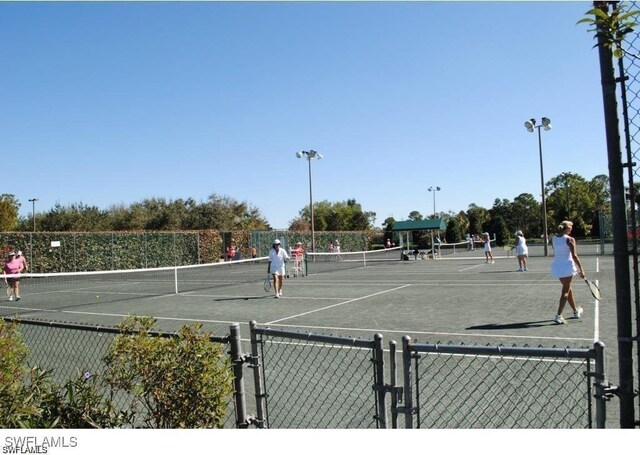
x: 419, y: 225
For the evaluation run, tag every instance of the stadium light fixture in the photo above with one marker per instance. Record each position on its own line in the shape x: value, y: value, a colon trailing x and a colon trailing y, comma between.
x: 530, y: 125
x: 310, y: 155
x: 431, y: 188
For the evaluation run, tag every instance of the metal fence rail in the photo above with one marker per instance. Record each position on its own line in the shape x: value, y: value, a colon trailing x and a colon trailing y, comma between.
x: 318, y: 381
x: 306, y: 380
x: 458, y: 386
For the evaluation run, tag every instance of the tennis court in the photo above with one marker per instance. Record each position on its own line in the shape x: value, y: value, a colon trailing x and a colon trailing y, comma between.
x: 456, y: 299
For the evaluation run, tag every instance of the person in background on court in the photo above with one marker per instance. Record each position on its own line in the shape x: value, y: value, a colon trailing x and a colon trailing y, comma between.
x: 21, y: 258
x: 254, y: 252
x: 522, y: 251
x: 297, y: 254
x: 231, y: 252
x: 387, y: 244
x: 13, y: 266
x: 487, y: 248
x: 336, y: 249
x: 563, y: 267
x: 277, y: 258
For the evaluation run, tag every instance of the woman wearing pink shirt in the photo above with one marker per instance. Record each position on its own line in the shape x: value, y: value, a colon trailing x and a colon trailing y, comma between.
x: 13, y: 266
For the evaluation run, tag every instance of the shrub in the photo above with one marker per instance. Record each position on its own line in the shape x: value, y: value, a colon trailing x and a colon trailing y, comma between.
x: 179, y: 382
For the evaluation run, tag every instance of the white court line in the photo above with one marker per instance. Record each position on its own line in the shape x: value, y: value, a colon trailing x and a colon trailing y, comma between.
x: 115, y: 315
x: 596, y: 318
x: 339, y: 304
x: 469, y: 268
x: 417, y: 332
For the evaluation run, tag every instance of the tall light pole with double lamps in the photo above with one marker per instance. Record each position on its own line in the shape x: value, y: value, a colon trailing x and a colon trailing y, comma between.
x: 530, y: 125
x: 433, y: 189
x: 311, y: 154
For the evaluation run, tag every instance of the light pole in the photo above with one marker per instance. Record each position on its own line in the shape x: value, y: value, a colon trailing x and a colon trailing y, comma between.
x: 33, y: 212
x: 437, y: 188
x: 432, y: 189
x: 530, y: 125
x: 311, y: 154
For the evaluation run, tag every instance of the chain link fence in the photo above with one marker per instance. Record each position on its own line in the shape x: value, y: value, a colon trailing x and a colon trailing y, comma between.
x: 72, y: 350
x: 309, y: 381
x: 489, y: 387
x: 316, y: 381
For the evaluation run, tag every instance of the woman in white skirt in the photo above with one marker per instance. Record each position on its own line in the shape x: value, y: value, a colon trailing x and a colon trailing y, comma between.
x: 522, y: 251
x: 487, y: 248
x: 563, y: 267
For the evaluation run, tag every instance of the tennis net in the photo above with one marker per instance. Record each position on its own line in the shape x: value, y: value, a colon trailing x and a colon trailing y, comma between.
x: 56, y: 290
x: 331, y: 262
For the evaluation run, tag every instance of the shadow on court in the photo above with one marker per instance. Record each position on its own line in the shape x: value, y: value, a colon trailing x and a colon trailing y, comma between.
x: 513, y: 325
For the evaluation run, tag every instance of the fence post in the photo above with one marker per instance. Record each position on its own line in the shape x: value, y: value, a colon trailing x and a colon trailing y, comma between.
x: 600, y: 386
x: 256, y: 363
x: 238, y: 381
x: 408, y: 389
x: 378, y: 360
x: 393, y: 382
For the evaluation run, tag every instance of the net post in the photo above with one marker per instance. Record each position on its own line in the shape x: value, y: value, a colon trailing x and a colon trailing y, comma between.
x: 175, y: 278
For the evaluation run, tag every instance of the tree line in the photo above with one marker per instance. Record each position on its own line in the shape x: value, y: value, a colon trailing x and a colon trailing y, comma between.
x: 568, y: 196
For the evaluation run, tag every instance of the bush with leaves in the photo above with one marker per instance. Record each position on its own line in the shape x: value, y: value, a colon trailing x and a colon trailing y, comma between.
x: 30, y: 399
x: 182, y: 381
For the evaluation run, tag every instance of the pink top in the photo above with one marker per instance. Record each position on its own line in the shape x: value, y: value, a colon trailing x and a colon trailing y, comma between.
x: 13, y: 266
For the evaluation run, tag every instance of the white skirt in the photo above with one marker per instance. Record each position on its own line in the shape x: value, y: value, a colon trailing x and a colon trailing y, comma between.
x: 563, y: 269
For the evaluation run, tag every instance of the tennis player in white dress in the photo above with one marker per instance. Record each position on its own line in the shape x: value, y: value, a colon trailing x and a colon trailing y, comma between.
x: 564, y: 268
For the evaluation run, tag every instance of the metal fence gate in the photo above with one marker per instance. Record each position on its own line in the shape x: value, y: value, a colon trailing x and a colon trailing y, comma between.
x: 458, y: 386
x: 306, y: 380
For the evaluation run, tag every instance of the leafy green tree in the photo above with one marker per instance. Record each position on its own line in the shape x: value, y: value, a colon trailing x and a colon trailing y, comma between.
x: 613, y: 28
x: 9, y: 207
x: 338, y: 216
x: 525, y: 212
x: 478, y: 217
x: 415, y: 216
x: 75, y: 217
x: 455, y: 230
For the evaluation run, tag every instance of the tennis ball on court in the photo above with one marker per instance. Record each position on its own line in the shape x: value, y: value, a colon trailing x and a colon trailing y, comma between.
x: 97, y: 297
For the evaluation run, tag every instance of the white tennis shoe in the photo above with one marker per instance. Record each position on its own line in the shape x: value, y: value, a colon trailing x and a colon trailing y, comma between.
x: 559, y: 319
x: 578, y: 313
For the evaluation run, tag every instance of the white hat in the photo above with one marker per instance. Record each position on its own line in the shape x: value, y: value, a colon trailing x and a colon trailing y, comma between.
x: 11, y: 253
x: 19, y: 253
x: 276, y: 242
x: 519, y: 233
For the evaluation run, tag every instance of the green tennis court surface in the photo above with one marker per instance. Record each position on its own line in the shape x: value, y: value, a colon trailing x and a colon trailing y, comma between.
x: 458, y: 298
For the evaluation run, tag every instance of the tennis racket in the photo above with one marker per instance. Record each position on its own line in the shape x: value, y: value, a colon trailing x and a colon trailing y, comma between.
x: 267, y: 283
x: 595, y: 290
x: 8, y: 288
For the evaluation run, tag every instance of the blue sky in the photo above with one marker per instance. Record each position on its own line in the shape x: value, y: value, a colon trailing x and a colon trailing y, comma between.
x: 112, y: 103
